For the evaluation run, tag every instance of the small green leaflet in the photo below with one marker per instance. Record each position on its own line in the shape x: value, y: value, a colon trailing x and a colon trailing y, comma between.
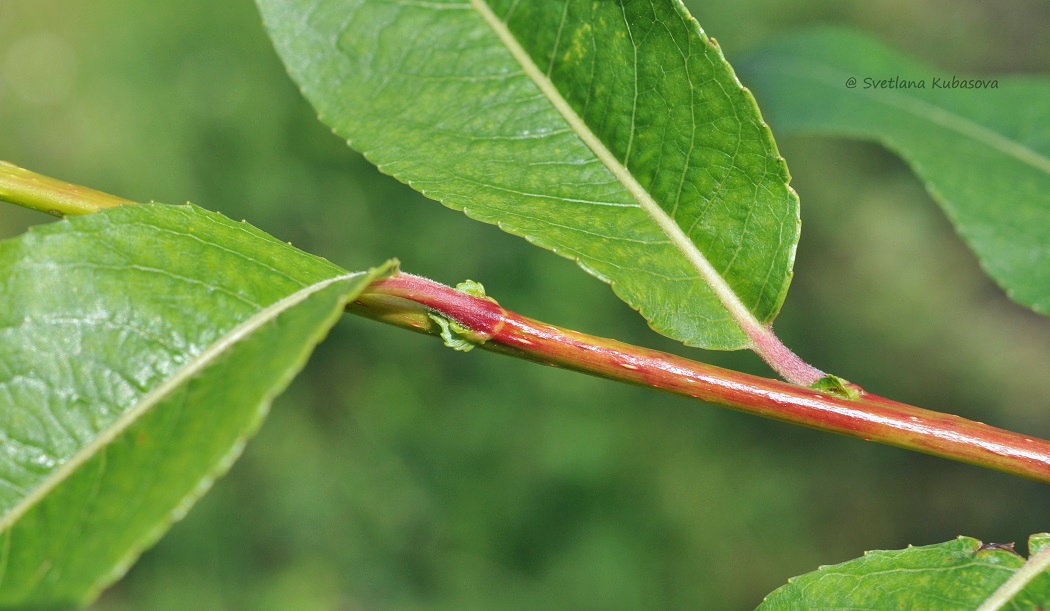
x: 455, y: 335
x: 981, y: 144
x: 139, y: 348
x: 612, y: 133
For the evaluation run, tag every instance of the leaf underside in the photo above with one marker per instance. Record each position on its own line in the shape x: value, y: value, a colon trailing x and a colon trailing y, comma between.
x: 139, y: 347
x: 460, y: 100
x: 984, y: 153
x: 959, y: 574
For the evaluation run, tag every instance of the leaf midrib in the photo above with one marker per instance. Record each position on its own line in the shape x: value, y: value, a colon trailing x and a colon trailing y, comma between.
x: 194, y: 366
x: 726, y: 295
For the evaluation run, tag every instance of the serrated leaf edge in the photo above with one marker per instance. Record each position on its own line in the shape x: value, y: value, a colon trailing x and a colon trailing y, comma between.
x: 751, y: 326
x: 1037, y: 563
x: 226, y: 462
x: 194, y: 366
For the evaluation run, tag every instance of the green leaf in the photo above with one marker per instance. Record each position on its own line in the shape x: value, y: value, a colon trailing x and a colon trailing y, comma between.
x: 139, y: 347
x: 613, y: 133
x: 959, y: 574
x: 984, y: 153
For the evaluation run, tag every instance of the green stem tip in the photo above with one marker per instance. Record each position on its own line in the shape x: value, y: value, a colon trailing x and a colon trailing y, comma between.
x: 38, y: 192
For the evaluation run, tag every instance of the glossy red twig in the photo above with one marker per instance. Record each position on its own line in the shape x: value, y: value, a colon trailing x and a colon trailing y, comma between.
x: 405, y: 300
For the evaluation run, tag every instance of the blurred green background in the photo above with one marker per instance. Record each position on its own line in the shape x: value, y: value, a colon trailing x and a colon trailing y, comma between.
x: 397, y: 474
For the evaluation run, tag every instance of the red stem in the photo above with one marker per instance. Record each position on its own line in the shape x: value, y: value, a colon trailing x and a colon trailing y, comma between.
x: 405, y: 300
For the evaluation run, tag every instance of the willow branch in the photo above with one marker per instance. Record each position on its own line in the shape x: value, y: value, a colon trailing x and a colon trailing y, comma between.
x: 407, y: 301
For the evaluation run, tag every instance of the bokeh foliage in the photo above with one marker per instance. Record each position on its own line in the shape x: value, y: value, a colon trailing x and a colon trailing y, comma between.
x: 398, y: 474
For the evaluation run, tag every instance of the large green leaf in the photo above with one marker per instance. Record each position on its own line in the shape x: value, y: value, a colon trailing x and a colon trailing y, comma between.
x: 959, y: 574
x: 139, y: 347
x: 613, y: 133
x: 984, y: 152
